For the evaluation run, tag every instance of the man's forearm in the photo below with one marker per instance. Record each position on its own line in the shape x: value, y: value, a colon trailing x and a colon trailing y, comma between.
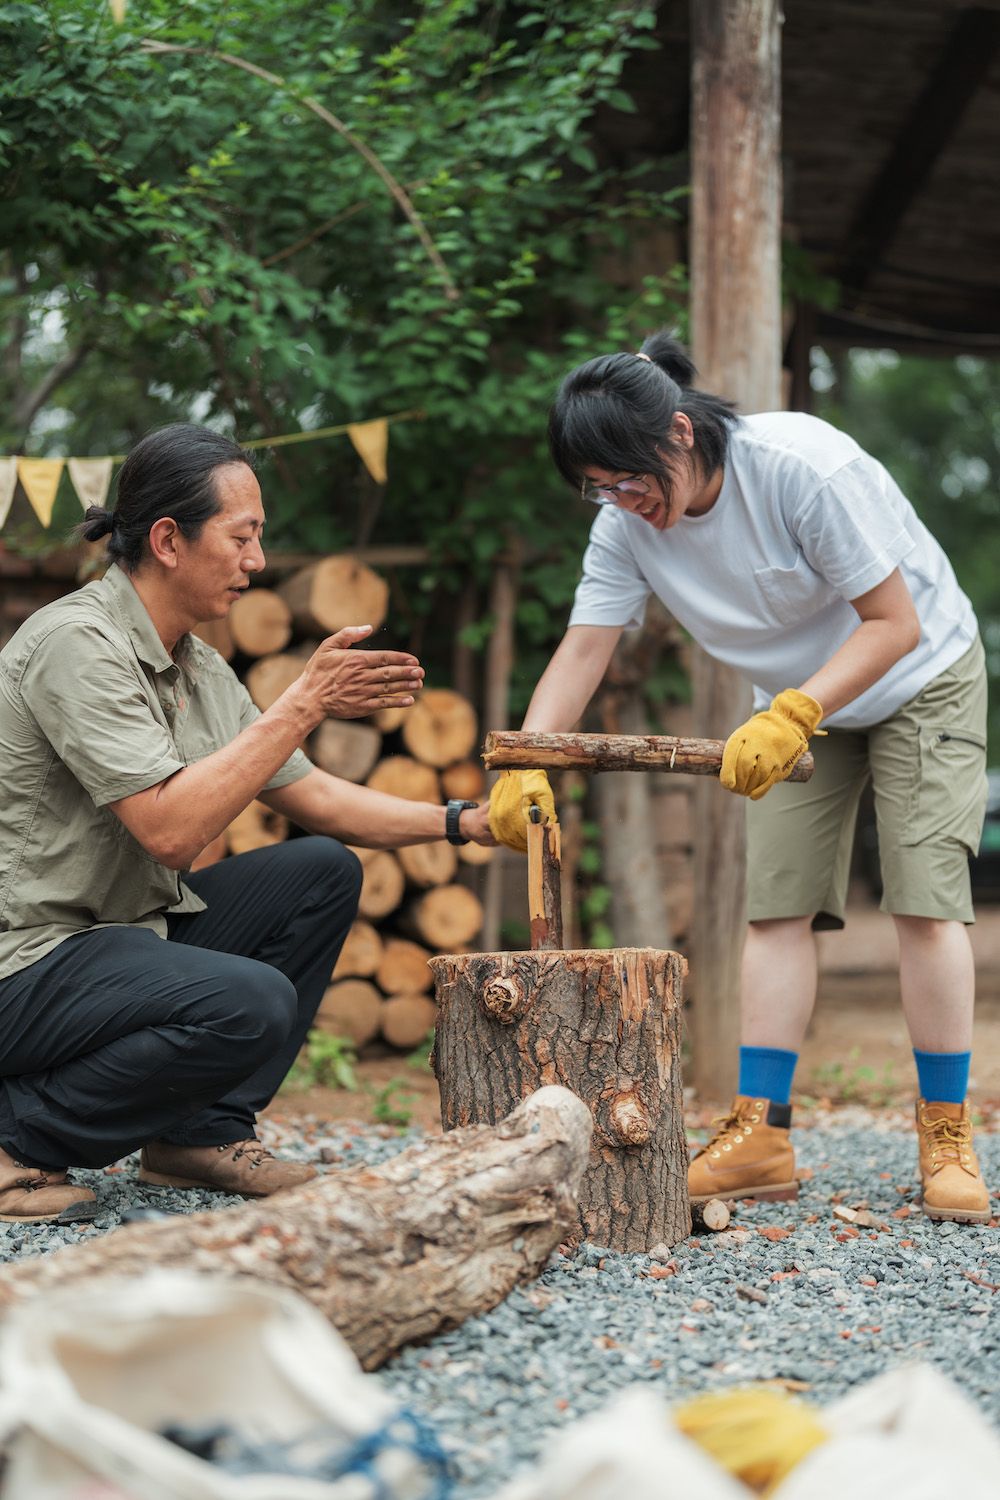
x: 358, y: 814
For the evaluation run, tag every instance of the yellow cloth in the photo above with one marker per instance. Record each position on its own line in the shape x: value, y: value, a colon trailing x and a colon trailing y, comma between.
x: 766, y: 748
x: 758, y: 1435
x: 513, y: 794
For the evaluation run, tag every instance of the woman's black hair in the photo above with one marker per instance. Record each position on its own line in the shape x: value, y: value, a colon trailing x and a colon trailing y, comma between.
x: 169, y: 472
x: 615, y: 413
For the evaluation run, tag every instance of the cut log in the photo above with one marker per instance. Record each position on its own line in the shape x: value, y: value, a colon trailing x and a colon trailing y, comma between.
x: 406, y: 1020
x: 429, y: 864
x: 445, y: 918
x: 400, y: 776
x: 382, y: 885
x: 403, y: 968
x: 216, y: 633
x: 388, y: 720
x: 390, y: 1254
x: 361, y: 954
x: 212, y: 853
x: 476, y: 854
x: 335, y: 592
x: 255, y: 828
x: 344, y: 748
x: 260, y: 622
x: 440, y: 727
x: 465, y: 780
x: 607, y: 1025
x: 269, y: 677
x: 511, y: 749
x: 351, y: 1008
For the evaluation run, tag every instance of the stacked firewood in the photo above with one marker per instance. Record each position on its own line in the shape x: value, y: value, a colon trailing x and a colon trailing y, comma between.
x: 417, y: 901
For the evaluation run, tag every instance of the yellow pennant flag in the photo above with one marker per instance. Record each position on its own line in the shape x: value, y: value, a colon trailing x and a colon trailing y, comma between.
x: 8, y: 484
x: 371, y: 440
x: 91, y: 479
x: 117, y: 8
x: 40, y: 479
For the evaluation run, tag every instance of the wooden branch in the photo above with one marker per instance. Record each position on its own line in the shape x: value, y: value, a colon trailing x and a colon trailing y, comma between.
x: 391, y: 1254
x: 31, y: 403
x: 513, y: 750
x: 322, y: 113
x: 544, y: 889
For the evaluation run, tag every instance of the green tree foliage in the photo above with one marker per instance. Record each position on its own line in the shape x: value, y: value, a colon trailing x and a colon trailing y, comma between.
x: 935, y: 424
x: 409, y: 212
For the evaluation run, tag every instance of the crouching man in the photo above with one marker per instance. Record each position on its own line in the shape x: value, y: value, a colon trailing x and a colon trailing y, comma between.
x: 140, y: 1005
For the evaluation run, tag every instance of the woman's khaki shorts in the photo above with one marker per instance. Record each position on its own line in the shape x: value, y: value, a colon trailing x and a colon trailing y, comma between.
x: 927, y: 764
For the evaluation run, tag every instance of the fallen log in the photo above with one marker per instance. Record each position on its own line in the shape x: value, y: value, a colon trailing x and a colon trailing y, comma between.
x: 390, y: 1254
x: 407, y: 1019
x: 447, y: 917
x: 428, y: 865
x: 604, y: 1023
x: 382, y: 885
x: 351, y: 1008
x: 260, y: 622
x: 344, y: 748
x: 336, y: 591
x: 440, y: 727
x: 403, y: 968
x: 401, y: 776
x: 515, y: 750
x: 361, y: 954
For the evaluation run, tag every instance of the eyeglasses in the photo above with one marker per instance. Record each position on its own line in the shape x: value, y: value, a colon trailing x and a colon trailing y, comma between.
x: 611, y: 494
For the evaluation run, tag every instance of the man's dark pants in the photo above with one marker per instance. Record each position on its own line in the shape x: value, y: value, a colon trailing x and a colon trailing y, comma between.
x: 118, y: 1037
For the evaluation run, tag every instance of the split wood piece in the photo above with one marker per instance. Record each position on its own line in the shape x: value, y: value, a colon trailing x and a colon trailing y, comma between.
x: 270, y: 676
x: 400, y: 776
x: 446, y: 918
x: 345, y: 749
x: 466, y: 780
x: 335, y: 592
x: 393, y: 1254
x: 216, y: 633
x: 256, y: 827
x: 713, y: 1215
x: 544, y: 893
x: 388, y: 720
x: 606, y: 1024
x: 407, y: 1019
x: 440, y: 727
x: 515, y: 750
x: 429, y: 864
x: 260, y: 622
x: 361, y: 954
x: 403, y: 968
x: 382, y: 884
x: 351, y: 1008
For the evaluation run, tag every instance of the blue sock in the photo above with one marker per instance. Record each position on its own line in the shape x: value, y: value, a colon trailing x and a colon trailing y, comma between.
x: 766, y: 1072
x: 943, y: 1076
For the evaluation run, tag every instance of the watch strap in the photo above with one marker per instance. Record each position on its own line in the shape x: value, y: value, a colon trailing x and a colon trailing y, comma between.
x: 453, y: 812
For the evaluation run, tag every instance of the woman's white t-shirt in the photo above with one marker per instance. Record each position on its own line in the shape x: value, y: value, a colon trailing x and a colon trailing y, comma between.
x: 804, y: 522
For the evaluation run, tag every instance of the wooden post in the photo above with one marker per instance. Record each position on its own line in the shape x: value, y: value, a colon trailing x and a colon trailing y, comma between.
x: 736, y: 343
x: 606, y: 1024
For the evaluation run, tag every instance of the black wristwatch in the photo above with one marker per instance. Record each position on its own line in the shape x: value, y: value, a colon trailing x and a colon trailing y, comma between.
x: 451, y: 817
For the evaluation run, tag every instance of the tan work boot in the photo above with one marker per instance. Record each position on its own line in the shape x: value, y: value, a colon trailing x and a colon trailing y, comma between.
x: 243, y: 1167
x: 29, y: 1195
x: 953, y: 1184
x: 749, y: 1155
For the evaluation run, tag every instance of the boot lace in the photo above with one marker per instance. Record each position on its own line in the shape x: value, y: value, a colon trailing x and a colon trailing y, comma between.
x: 255, y: 1153
x: 948, y: 1140
x: 732, y: 1129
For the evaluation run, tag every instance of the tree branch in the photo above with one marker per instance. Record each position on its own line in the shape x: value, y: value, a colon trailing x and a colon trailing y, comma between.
x: 27, y: 408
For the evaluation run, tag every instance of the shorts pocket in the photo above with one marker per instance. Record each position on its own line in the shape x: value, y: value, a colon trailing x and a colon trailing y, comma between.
x: 949, y: 795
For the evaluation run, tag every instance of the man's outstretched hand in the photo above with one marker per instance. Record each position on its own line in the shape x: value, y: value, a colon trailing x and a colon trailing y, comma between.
x: 346, y: 684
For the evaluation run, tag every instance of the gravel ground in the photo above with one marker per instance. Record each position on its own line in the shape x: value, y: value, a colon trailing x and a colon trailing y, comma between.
x: 789, y: 1293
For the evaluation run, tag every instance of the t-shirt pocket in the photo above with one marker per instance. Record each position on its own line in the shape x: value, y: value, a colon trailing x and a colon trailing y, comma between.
x: 792, y: 594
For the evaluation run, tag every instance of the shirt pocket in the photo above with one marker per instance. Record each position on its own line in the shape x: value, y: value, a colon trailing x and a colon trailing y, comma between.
x: 948, y: 801
x: 792, y: 594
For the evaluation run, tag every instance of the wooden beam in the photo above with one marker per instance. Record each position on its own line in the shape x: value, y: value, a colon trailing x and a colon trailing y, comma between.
x: 931, y: 123
x: 736, y: 339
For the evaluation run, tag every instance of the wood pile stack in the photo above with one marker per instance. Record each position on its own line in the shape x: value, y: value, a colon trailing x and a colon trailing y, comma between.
x: 415, y: 902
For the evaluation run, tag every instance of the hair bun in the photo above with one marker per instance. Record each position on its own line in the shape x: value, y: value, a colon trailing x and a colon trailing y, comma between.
x: 97, y: 522
x: 671, y: 356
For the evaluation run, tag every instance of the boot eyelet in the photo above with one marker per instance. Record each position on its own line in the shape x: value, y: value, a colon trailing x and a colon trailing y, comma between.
x: 748, y: 1130
x: 714, y: 1153
x: 727, y: 1147
x: 759, y: 1104
x: 737, y: 1140
x: 755, y: 1119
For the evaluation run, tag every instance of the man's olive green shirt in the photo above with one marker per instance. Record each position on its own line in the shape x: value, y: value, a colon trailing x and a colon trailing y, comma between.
x: 93, y: 708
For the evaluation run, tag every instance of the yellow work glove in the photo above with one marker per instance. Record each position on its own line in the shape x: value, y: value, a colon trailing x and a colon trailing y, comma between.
x: 512, y: 795
x: 767, y: 747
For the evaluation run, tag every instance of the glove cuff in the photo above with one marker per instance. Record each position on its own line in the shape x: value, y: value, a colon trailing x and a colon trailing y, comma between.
x: 804, y: 712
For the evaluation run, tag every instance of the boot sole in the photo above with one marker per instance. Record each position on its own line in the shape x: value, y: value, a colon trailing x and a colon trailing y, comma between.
x: 75, y: 1214
x: 167, y: 1180
x: 775, y: 1192
x: 958, y: 1215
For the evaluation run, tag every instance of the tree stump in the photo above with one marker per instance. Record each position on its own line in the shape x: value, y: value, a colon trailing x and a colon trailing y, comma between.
x: 605, y: 1024
x: 391, y: 1254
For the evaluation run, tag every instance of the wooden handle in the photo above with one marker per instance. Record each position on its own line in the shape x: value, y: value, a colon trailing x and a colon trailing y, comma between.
x: 544, y: 892
x: 513, y: 750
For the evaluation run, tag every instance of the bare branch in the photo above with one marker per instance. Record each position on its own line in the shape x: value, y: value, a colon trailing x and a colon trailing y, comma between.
x: 27, y: 408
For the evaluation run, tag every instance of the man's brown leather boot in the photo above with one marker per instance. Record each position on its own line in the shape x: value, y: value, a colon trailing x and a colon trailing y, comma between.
x: 749, y: 1155
x: 953, y: 1184
x: 243, y: 1167
x: 29, y: 1195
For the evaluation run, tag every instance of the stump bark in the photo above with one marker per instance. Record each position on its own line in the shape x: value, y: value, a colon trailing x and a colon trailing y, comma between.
x: 391, y: 1255
x: 605, y: 1024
